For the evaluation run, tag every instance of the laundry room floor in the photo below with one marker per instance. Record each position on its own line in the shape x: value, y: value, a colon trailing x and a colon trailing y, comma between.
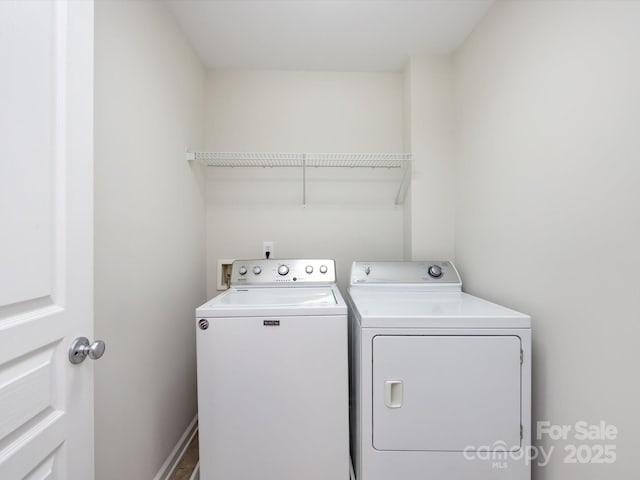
x: 188, y: 462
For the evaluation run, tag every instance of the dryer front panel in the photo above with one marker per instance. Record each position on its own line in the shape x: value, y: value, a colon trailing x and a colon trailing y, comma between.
x: 446, y: 392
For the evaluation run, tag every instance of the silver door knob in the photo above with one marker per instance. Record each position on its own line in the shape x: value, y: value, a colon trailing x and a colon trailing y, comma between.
x: 80, y: 349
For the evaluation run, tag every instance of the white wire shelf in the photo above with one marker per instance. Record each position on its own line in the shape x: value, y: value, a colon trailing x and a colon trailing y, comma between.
x: 309, y: 160
x: 336, y: 160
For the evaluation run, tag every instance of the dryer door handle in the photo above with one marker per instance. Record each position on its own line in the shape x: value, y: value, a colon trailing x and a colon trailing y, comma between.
x: 393, y: 394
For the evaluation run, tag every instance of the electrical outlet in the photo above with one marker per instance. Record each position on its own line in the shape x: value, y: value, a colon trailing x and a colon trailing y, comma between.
x: 267, y: 246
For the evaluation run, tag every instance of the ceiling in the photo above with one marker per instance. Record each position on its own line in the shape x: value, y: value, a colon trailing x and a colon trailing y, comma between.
x: 338, y: 35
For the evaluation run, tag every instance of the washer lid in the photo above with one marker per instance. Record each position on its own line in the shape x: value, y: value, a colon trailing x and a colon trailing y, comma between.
x: 269, y: 301
x: 279, y: 296
x: 395, y: 308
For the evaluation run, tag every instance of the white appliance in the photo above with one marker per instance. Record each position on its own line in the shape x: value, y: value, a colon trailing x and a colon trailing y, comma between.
x: 273, y: 374
x: 440, y: 380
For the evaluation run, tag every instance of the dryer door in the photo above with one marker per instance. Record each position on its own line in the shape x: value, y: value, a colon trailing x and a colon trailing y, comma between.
x: 446, y: 392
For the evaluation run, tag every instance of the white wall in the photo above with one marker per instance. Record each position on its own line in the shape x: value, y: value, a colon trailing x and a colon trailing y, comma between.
x: 547, y: 219
x: 149, y: 235
x: 429, y: 221
x: 350, y: 214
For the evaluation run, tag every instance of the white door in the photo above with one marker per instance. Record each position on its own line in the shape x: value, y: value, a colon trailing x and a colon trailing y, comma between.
x: 446, y: 392
x: 46, y: 255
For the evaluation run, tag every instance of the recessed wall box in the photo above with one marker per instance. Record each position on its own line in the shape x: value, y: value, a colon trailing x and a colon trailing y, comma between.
x: 223, y: 274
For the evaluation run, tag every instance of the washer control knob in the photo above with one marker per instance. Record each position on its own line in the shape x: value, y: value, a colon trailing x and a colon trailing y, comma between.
x: 242, y: 270
x: 257, y: 270
x: 323, y: 269
x: 308, y: 269
x: 283, y: 270
x: 435, y: 271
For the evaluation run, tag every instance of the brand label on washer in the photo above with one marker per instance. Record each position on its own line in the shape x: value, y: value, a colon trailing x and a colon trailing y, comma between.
x: 271, y: 323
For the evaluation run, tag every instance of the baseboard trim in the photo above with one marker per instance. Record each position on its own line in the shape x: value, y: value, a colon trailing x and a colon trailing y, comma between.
x: 196, y: 473
x: 176, y: 454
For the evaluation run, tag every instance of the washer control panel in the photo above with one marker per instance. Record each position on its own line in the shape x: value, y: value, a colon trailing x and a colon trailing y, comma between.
x: 416, y: 273
x: 288, y: 272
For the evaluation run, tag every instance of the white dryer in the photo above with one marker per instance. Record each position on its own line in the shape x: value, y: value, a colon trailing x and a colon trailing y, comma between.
x: 440, y: 380
x: 273, y: 374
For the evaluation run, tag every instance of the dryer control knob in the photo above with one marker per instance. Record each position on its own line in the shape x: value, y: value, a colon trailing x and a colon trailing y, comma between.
x: 283, y: 270
x: 308, y: 269
x: 323, y: 269
x: 257, y: 270
x: 242, y: 270
x: 435, y: 271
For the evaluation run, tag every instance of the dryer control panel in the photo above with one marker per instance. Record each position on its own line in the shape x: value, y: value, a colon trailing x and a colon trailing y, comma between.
x: 406, y: 273
x: 289, y: 272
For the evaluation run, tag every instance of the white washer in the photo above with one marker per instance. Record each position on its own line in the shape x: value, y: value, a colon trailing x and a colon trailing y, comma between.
x: 441, y: 380
x: 273, y: 374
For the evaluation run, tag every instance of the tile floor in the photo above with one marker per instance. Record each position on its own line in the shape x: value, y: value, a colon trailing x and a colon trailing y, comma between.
x: 188, y: 462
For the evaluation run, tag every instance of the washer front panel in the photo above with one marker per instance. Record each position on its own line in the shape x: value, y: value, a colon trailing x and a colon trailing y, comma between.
x: 273, y: 398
